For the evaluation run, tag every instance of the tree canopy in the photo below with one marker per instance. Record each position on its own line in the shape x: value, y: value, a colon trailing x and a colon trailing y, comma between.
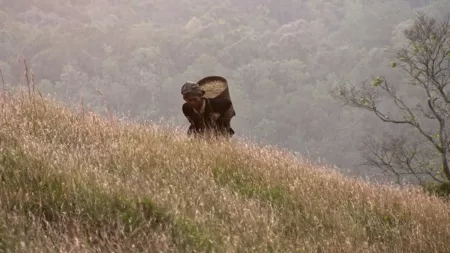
x: 281, y: 60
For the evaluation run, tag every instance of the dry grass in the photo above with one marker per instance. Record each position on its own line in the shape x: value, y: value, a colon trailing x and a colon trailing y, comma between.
x: 74, y: 182
x: 213, y: 89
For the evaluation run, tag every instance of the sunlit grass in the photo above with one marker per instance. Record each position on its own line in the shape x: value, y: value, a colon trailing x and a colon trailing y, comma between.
x: 75, y: 182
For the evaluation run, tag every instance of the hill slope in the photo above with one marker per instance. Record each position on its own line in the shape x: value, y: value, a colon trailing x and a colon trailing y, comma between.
x: 72, y: 181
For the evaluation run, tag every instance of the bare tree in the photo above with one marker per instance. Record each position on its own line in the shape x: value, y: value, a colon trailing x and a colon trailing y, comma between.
x: 424, y: 152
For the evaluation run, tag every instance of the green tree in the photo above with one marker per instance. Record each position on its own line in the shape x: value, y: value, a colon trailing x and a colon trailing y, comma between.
x: 423, y: 152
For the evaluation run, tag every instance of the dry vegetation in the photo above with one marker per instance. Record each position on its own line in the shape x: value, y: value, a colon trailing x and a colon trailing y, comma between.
x: 213, y: 88
x: 74, y: 182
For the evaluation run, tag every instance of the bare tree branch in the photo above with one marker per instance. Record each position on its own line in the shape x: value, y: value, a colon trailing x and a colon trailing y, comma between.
x: 426, y: 59
x: 399, y: 156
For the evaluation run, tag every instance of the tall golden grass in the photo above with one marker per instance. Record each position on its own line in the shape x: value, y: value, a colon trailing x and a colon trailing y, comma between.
x: 72, y: 181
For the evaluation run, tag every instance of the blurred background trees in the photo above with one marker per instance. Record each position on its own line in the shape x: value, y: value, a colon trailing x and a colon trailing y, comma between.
x: 281, y: 60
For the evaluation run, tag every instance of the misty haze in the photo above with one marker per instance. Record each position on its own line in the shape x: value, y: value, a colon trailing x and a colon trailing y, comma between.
x: 281, y: 61
x: 358, y: 88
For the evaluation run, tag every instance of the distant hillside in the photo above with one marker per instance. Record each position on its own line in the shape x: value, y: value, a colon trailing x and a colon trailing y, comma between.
x: 280, y: 58
x: 74, y: 182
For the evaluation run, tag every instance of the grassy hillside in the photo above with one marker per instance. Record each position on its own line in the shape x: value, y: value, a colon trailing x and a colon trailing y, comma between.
x: 74, y: 182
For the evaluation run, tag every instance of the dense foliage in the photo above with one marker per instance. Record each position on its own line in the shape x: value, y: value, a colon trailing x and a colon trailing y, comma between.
x: 281, y: 60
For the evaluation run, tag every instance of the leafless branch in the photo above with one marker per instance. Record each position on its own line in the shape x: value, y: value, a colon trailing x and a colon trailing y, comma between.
x: 400, y: 156
x: 427, y: 61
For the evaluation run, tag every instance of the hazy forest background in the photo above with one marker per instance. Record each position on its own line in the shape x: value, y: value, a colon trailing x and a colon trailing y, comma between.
x: 281, y: 59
